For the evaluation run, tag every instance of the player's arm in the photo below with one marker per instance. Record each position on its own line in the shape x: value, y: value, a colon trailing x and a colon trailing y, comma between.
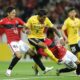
x: 25, y: 27
x: 79, y: 27
x: 57, y: 32
x: 64, y: 35
x: 51, y: 25
x: 59, y: 35
x: 26, y: 30
x: 21, y: 22
x: 64, y: 28
x: 37, y: 43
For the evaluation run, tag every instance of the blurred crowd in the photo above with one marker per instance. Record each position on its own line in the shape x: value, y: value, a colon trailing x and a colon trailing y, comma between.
x: 57, y: 9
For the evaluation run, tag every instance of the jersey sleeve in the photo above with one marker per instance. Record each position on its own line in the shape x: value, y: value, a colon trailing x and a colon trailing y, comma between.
x: 64, y: 27
x: 29, y: 22
x: 21, y: 22
x: 49, y: 23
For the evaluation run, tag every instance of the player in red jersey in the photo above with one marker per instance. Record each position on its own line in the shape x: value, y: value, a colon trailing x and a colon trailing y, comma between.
x: 60, y: 52
x: 10, y: 24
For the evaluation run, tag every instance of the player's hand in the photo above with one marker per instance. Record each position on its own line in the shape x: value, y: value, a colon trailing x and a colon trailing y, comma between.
x: 66, y: 40
x: 26, y: 31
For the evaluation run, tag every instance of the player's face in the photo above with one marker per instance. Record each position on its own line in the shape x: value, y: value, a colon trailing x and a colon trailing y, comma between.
x: 72, y: 13
x: 12, y: 14
x: 41, y: 19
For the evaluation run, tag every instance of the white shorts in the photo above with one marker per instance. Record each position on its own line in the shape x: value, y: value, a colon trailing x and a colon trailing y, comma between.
x: 19, y: 46
x: 69, y: 60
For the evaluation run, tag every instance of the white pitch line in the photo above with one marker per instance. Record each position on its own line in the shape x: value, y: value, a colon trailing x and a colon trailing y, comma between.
x: 41, y: 77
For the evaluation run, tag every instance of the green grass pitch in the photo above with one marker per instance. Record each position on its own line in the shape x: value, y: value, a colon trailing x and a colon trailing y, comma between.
x: 24, y: 71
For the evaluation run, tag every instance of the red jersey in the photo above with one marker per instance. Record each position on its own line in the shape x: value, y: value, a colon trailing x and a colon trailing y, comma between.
x: 58, y: 50
x: 1, y: 31
x: 11, y: 29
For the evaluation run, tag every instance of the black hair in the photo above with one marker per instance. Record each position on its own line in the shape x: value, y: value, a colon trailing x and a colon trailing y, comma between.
x: 42, y: 12
x: 9, y: 9
x: 71, y: 9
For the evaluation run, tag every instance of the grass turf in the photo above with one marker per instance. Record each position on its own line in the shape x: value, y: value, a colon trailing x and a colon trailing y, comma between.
x: 24, y: 71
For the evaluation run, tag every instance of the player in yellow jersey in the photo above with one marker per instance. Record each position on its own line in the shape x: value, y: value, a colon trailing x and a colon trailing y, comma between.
x: 72, y: 27
x: 37, y: 25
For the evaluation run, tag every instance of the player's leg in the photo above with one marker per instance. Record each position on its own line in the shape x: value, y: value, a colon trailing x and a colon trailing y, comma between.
x: 48, y: 51
x: 70, y: 61
x: 26, y: 48
x: 41, y: 44
x: 38, y: 62
x: 63, y: 70
x: 35, y: 68
x: 76, y: 50
x: 77, y: 61
x: 78, y: 65
x: 40, y: 53
x: 16, y: 58
x: 78, y: 69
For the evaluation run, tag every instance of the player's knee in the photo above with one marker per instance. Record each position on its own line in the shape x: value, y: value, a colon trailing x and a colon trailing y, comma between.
x: 18, y: 54
x: 31, y: 52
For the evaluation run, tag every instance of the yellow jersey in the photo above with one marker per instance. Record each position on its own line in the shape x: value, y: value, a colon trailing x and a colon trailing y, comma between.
x: 72, y: 27
x: 36, y: 28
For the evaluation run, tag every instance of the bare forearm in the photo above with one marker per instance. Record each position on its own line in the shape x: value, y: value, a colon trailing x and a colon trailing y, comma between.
x: 64, y: 35
x: 57, y: 32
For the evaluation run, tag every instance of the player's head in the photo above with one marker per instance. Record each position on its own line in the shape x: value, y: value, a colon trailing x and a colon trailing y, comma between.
x: 11, y: 12
x: 42, y: 15
x: 72, y: 12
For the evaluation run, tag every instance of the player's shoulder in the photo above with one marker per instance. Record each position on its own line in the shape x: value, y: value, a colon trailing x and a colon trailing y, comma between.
x: 77, y: 19
x: 33, y: 17
x: 47, y: 20
x: 67, y: 20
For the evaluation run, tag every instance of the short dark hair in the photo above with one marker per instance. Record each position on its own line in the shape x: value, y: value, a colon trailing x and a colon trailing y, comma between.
x: 9, y: 9
x: 42, y: 12
x: 71, y: 9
